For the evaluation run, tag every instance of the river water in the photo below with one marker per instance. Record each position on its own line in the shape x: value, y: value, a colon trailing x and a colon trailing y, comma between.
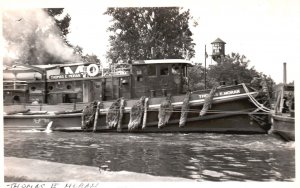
x: 204, y: 157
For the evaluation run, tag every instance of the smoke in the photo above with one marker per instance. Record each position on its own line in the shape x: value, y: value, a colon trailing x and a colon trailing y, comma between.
x: 32, y: 37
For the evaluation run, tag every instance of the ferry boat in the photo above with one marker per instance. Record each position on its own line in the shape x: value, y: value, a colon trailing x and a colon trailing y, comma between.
x: 142, y: 96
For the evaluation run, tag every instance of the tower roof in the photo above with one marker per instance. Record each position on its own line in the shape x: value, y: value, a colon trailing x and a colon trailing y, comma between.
x: 218, y: 40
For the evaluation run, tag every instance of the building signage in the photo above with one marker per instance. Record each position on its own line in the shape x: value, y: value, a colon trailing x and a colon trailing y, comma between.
x: 222, y: 93
x: 80, y: 71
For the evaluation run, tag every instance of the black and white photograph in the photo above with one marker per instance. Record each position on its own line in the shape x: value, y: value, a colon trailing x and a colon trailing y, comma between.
x: 149, y: 91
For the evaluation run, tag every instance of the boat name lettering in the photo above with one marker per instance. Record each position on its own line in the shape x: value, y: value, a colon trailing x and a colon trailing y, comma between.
x: 222, y: 93
x: 64, y: 76
x: 231, y: 92
x: 40, y: 120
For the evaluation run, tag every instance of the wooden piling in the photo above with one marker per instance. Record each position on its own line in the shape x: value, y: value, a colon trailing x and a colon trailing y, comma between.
x: 208, y: 101
x: 145, y: 113
x: 122, y: 104
x: 96, y: 116
x: 184, y: 110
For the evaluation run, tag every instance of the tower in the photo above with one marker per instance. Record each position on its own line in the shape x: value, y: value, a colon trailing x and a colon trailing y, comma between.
x: 218, y: 49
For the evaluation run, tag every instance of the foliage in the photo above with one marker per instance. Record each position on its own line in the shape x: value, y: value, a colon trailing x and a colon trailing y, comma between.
x: 78, y: 51
x: 231, y: 69
x: 196, y: 77
x: 138, y: 31
x: 91, y: 59
x: 63, y: 24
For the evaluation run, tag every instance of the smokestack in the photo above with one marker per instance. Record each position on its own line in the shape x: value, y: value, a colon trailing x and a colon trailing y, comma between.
x: 284, y: 73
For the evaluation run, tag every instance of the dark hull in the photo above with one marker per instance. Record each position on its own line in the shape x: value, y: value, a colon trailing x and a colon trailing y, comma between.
x: 230, y: 123
x: 230, y: 113
x: 284, y: 126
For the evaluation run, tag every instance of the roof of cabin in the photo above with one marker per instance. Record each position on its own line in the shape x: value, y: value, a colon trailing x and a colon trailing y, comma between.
x: 163, y: 61
x: 19, y: 67
x: 218, y: 40
x: 49, y: 66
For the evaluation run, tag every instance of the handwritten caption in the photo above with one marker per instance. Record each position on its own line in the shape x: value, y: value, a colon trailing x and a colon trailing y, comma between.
x: 52, y: 185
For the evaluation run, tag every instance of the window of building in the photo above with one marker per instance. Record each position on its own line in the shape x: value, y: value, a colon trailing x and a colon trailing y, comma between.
x: 151, y: 70
x: 33, y: 88
x: 164, y: 70
x: 50, y: 87
x: 69, y: 86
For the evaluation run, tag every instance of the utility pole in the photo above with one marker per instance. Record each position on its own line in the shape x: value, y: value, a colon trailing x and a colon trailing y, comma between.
x: 205, y: 68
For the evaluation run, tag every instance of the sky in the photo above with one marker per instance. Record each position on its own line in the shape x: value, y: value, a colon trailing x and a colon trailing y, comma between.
x: 265, y: 31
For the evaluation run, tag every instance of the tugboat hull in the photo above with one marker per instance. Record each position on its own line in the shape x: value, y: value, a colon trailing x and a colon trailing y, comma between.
x: 231, y: 112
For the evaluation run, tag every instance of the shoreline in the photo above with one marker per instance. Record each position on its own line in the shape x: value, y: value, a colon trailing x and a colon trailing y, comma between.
x: 33, y: 170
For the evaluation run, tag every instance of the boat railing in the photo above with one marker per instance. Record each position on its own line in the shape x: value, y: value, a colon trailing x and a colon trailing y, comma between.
x: 15, y: 85
x: 49, y: 107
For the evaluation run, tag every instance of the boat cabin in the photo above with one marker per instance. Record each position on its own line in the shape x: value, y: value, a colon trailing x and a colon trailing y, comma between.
x: 81, y: 82
x: 285, y: 101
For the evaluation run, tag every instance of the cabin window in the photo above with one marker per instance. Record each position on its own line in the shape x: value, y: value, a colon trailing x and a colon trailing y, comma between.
x: 164, y: 70
x: 69, y: 86
x: 139, y: 78
x: 33, y: 88
x: 151, y: 70
x: 175, y: 69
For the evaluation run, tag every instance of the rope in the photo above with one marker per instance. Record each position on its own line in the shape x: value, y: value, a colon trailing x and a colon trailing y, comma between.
x: 209, y: 111
x: 254, y: 101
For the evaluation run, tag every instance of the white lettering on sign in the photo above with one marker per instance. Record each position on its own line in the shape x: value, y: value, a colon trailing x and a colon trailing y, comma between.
x: 80, y: 71
x: 92, y: 70
x: 65, y: 76
x: 222, y: 93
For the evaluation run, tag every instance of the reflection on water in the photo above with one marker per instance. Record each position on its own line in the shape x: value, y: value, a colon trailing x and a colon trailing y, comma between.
x: 205, y: 157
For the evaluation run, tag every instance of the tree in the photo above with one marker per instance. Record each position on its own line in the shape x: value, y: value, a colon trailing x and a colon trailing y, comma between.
x: 91, y: 59
x: 196, y: 77
x: 63, y: 24
x: 149, y: 33
x: 232, y: 68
